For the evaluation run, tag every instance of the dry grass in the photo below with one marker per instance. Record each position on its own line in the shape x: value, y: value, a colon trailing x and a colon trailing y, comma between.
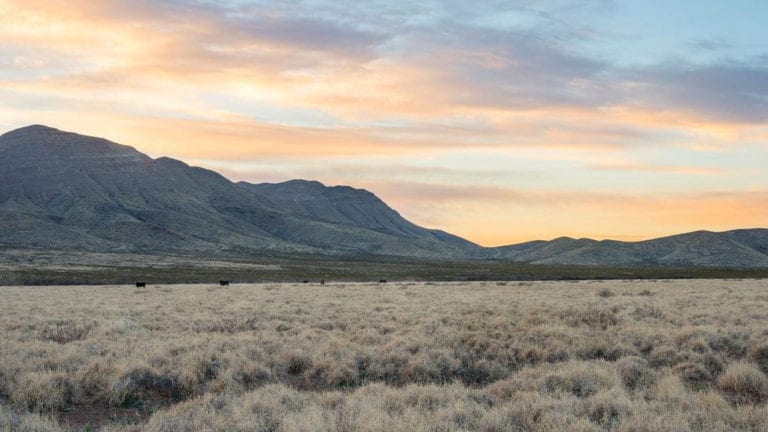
x: 544, y: 356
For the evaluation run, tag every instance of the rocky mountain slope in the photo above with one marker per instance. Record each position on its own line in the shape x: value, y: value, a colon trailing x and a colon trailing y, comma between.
x: 64, y: 191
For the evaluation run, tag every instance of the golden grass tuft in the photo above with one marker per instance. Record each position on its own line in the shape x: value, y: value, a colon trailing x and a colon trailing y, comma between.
x: 744, y: 383
x: 635, y: 372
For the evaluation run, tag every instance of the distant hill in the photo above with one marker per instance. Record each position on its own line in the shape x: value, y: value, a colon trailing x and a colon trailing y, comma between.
x: 740, y: 248
x: 64, y: 191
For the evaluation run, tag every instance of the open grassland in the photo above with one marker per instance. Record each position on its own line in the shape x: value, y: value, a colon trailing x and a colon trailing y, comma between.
x: 687, y: 355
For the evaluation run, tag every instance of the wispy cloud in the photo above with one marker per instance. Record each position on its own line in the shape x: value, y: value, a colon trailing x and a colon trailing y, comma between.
x: 643, y: 167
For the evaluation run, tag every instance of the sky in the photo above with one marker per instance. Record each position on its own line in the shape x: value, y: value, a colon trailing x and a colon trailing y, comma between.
x: 500, y: 121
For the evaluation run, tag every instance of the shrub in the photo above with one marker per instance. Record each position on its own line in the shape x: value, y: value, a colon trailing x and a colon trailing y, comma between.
x: 604, y: 349
x: 11, y: 421
x: 581, y: 379
x: 744, y: 383
x: 694, y: 375
x: 426, y: 367
x: 532, y: 355
x: 481, y: 372
x: 526, y: 414
x: 665, y: 356
x: 94, y: 380
x: 296, y: 362
x: 66, y: 331
x: 44, y: 391
x: 328, y: 372
x: 605, y: 293
x: 5, y: 382
x: 635, y: 372
x: 712, y: 363
x: 597, y: 318
x: 557, y: 355
x: 647, y: 311
x: 608, y: 409
x: 251, y: 375
x: 136, y: 386
x: 209, y: 369
x: 733, y: 345
x: 759, y: 355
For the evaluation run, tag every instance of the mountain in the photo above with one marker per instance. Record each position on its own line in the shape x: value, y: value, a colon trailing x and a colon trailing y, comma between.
x: 64, y: 191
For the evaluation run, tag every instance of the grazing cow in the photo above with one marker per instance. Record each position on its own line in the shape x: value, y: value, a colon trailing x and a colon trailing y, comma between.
x: 306, y: 281
x: 141, y: 284
x: 223, y: 283
x: 382, y: 281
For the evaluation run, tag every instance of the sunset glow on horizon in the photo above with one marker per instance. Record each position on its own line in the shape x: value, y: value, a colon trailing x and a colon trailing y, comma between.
x: 499, y: 121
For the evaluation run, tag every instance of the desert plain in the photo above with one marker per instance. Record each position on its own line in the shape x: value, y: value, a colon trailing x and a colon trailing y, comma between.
x: 635, y: 355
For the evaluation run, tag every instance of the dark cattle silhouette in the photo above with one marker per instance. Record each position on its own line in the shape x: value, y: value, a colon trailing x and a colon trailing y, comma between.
x: 306, y: 281
x: 141, y: 284
x: 223, y: 283
x: 382, y: 281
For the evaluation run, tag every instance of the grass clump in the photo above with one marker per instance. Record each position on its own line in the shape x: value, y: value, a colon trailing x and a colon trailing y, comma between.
x: 759, y: 355
x: 743, y: 383
x: 581, y: 379
x: 635, y: 372
x: 605, y: 293
x: 66, y: 331
x: 694, y: 375
x: 43, y: 392
x: 15, y: 421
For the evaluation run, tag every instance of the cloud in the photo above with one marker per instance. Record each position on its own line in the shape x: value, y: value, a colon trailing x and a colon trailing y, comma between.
x: 724, y: 92
x: 707, y: 44
x: 362, y: 62
x: 625, y: 167
x: 337, y: 83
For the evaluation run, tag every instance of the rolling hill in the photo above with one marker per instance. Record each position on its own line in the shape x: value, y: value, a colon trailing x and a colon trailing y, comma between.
x: 739, y: 248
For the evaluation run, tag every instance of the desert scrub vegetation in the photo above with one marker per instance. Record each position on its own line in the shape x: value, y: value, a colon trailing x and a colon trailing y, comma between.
x: 534, y: 356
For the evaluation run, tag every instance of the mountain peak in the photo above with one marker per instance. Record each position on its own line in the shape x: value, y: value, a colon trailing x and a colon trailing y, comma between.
x: 31, y: 129
x: 37, y: 127
x: 47, y: 142
x: 297, y: 184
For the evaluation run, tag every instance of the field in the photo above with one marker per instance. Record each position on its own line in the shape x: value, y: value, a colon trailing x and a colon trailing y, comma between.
x: 643, y: 355
x: 50, y: 267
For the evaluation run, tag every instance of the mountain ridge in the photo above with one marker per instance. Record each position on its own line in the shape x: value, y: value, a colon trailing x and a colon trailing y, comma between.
x: 62, y: 190
x: 56, y: 191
